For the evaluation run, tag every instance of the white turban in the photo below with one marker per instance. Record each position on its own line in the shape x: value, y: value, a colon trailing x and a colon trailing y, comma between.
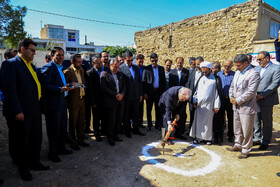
x: 206, y: 65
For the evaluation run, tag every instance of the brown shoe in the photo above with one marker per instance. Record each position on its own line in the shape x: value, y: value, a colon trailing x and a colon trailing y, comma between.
x: 233, y: 149
x: 242, y: 155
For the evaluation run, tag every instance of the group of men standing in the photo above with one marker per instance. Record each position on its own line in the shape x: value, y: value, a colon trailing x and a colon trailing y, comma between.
x: 114, y: 93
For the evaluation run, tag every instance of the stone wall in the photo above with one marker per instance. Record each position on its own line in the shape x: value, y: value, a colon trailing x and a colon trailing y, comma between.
x: 215, y: 36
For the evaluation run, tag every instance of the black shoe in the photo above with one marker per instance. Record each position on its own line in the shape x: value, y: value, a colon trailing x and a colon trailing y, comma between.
x: 86, y: 137
x: 25, y: 174
x: 1, y: 181
x: 111, y: 141
x: 181, y: 137
x: 88, y: 131
x: 118, y: 139
x: 65, y: 151
x: 54, y: 158
x: 128, y: 134
x: 139, y: 133
x: 149, y: 128
x: 230, y: 139
x: 256, y: 143
x: 98, y: 138
x: 263, y: 147
x: 141, y: 126
x: 75, y: 147
x: 38, y: 166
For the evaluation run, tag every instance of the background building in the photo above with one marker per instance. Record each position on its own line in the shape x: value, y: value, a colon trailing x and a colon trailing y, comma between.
x: 243, y: 28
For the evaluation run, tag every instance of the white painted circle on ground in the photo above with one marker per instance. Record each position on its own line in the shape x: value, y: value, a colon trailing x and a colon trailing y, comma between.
x: 212, y: 166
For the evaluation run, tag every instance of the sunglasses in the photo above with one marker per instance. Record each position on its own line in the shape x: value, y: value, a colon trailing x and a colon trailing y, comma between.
x: 154, y: 60
x: 129, y: 60
x: 33, y: 50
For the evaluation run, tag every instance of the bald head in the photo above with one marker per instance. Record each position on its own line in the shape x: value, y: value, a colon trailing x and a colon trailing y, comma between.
x: 228, y: 65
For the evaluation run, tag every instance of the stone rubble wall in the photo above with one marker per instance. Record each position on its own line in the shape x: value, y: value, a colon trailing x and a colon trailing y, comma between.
x: 215, y: 36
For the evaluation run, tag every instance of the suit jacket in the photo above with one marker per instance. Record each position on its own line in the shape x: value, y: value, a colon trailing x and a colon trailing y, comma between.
x: 169, y: 101
x: 269, y: 83
x: 73, y: 98
x: 148, y: 80
x: 190, y: 84
x: 245, y: 92
x: 52, y: 83
x: 174, y: 78
x: 109, y: 88
x: 19, y: 88
x: 133, y: 87
x: 277, y: 49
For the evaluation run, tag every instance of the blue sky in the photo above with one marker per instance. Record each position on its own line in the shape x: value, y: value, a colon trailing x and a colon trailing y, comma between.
x: 133, y: 12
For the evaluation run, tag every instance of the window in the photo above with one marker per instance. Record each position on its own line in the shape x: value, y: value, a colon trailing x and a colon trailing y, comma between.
x: 55, y: 33
x: 274, y: 28
x: 71, y: 36
x: 71, y: 49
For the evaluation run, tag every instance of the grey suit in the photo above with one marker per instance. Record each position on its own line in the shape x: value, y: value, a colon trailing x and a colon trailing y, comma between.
x: 269, y: 83
x: 244, y: 89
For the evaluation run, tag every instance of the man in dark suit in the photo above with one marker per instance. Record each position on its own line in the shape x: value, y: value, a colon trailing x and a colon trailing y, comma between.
x: 179, y: 77
x: 76, y: 103
x: 277, y: 47
x: 22, y: 91
x: 133, y: 96
x: 194, y: 75
x: 140, y: 62
x: 95, y: 96
x: 55, y: 91
x: 267, y: 97
x: 113, y: 88
x: 172, y: 104
x: 153, y: 87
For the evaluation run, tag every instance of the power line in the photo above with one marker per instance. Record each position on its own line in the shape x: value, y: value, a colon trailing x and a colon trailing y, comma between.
x: 84, y: 19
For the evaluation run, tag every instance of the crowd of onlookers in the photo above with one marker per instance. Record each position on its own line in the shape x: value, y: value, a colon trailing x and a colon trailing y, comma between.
x: 110, y: 94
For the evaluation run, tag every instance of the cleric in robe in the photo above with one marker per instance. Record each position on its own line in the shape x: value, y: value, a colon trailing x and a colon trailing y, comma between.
x: 207, y: 102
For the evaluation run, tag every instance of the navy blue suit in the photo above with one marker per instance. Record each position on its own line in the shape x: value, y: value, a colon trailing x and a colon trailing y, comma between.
x: 277, y: 49
x: 55, y: 106
x: 170, y: 105
x: 132, y: 97
x: 175, y: 81
x: 21, y: 96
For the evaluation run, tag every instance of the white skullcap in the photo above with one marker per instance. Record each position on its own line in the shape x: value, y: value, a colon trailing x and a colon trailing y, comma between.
x: 206, y: 65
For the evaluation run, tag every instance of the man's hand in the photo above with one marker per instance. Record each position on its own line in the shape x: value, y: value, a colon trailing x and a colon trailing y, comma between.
x: 216, y: 110
x: 177, y: 117
x: 233, y: 101
x: 94, y: 106
x: 146, y: 96
x: 141, y: 98
x: 65, y: 88
x: 195, y: 105
x: 259, y: 97
x: 119, y: 97
x: 20, y: 117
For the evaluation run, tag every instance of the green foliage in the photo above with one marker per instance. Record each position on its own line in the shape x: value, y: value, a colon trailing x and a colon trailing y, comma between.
x: 11, y: 23
x: 118, y: 50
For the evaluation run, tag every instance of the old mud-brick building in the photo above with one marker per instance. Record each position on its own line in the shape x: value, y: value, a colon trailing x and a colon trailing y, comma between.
x: 243, y: 28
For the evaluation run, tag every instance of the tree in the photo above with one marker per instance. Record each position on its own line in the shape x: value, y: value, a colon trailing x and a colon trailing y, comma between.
x: 12, y: 24
x: 118, y: 50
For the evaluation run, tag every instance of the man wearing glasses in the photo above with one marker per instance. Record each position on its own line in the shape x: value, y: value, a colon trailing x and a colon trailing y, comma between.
x: 267, y: 97
x: 153, y: 87
x: 226, y: 77
x: 133, y: 95
x: 22, y: 91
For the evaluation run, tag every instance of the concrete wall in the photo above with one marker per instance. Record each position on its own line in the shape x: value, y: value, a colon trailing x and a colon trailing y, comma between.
x: 215, y: 36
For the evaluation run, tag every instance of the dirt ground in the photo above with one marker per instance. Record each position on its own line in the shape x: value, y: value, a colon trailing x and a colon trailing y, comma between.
x: 137, y: 162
